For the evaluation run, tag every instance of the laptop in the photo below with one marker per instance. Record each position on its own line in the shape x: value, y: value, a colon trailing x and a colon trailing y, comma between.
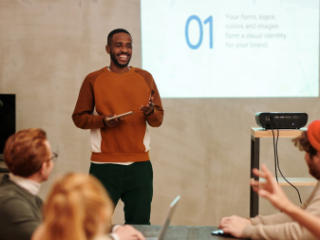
x: 167, y: 221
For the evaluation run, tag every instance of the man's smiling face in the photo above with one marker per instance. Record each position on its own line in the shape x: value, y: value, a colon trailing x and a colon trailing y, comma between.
x: 120, y: 49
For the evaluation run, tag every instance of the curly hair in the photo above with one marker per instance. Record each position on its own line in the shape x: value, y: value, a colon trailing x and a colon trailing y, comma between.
x: 303, y: 144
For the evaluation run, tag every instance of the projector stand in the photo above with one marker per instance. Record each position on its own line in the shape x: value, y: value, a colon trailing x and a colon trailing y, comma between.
x: 256, y: 134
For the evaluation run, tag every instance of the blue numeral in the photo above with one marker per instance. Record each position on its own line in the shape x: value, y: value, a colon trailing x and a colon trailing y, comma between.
x: 194, y: 17
x: 208, y: 20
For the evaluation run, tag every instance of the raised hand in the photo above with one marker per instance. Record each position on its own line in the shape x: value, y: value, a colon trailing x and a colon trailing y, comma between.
x: 147, y: 109
x: 270, y: 189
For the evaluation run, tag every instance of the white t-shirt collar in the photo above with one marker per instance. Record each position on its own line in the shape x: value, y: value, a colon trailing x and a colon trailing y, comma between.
x: 27, y: 184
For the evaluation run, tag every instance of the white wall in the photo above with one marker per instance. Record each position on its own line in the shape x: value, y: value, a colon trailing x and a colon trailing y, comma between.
x: 202, y: 150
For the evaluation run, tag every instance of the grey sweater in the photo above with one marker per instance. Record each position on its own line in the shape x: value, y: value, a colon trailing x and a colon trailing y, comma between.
x: 281, y: 226
x: 20, y: 211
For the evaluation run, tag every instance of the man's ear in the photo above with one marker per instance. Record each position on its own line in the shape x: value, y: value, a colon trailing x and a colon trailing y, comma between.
x: 42, y: 169
x: 316, y: 158
x: 108, y: 49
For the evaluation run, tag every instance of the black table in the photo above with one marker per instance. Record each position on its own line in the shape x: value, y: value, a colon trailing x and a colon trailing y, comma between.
x: 181, y: 232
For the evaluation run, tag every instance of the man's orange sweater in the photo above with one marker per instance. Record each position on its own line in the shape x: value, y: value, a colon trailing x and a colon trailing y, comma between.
x: 108, y: 93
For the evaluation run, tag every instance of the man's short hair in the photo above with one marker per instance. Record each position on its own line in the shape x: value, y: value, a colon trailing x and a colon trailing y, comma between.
x: 25, y: 151
x: 304, y: 145
x: 115, y: 31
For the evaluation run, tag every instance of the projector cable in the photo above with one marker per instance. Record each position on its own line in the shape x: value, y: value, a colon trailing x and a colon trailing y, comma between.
x: 276, y: 158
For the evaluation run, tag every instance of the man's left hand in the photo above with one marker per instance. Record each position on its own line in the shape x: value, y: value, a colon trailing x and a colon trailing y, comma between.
x: 234, y: 225
x: 148, y: 108
x: 127, y: 232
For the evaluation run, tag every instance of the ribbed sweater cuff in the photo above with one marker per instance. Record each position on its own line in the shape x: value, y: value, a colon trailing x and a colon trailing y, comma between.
x: 255, y: 221
x: 98, y: 122
x: 153, y: 119
x: 247, y: 231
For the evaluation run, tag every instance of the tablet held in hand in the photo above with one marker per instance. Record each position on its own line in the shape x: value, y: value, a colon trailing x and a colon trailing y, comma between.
x: 123, y: 115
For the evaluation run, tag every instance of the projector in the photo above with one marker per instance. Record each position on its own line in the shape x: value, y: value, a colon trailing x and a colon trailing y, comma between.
x: 275, y: 120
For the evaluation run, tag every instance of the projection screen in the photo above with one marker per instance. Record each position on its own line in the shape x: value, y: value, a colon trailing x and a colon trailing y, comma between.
x: 232, y: 48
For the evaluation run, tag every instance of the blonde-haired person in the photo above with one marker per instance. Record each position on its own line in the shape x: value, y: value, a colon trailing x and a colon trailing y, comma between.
x: 78, y: 207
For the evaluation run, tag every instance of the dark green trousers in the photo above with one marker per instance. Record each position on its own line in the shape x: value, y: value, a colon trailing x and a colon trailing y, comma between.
x: 133, y: 184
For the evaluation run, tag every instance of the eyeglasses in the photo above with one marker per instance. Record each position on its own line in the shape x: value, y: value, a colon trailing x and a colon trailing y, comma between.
x: 53, y: 159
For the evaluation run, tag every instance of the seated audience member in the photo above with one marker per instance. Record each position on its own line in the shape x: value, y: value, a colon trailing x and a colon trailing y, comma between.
x: 78, y: 207
x: 28, y: 156
x: 274, y: 193
x: 280, y: 225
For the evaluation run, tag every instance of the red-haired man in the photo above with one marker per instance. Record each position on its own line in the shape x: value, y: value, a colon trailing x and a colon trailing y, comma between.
x: 30, y: 161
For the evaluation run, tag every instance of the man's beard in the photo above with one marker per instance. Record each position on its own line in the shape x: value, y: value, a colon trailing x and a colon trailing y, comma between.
x: 113, y: 57
x: 313, y: 170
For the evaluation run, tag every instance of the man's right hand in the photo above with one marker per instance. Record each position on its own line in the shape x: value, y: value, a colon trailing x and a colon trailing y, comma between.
x: 111, y: 123
x: 270, y: 189
x: 127, y: 232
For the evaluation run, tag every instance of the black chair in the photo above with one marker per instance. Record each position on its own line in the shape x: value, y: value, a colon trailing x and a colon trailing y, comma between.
x: 3, y: 170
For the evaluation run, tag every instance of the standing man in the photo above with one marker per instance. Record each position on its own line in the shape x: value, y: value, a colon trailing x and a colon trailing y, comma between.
x: 120, y: 147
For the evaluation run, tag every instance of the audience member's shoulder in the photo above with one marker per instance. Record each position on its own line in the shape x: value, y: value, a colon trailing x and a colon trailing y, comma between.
x: 9, y: 190
x: 14, y: 205
x: 6, y: 184
x: 316, y: 191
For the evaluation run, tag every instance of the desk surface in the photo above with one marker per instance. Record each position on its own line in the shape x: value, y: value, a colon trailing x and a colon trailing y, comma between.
x: 181, y: 232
